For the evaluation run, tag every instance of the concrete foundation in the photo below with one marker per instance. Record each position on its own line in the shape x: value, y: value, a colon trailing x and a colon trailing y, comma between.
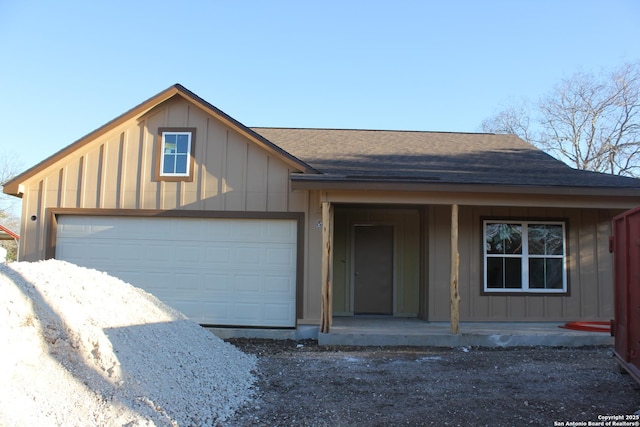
x: 389, y: 331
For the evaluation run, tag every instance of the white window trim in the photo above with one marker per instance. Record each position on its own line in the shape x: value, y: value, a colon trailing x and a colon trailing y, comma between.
x: 525, y: 257
x: 188, y: 170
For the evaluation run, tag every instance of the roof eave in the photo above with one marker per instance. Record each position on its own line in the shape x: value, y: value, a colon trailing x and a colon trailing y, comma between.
x: 323, y: 182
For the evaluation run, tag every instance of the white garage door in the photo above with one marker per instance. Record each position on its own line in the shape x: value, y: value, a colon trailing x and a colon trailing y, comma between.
x: 239, y: 272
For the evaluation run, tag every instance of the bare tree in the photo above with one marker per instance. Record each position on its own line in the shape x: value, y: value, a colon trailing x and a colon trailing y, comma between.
x: 10, y: 164
x: 514, y: 119
x: 590, y: 122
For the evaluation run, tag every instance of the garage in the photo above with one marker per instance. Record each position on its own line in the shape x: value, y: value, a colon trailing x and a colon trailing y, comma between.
x: 217, y: 271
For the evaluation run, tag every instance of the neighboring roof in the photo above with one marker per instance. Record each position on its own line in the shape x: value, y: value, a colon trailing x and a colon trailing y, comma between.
x: 6, y: 234
x: 12, y: 186
x: 432, y: 157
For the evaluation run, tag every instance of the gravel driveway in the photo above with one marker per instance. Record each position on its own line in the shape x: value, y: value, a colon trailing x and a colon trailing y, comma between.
x: 301, y: 384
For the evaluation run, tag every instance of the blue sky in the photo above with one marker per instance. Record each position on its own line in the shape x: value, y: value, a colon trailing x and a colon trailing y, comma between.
x: 68, y: 67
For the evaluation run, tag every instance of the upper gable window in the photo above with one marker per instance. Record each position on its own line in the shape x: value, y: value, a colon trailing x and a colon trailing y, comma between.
x: 525, y: 256
x: 175, y: 150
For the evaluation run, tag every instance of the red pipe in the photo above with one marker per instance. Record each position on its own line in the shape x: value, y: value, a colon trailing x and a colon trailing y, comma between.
x: 588, y: 326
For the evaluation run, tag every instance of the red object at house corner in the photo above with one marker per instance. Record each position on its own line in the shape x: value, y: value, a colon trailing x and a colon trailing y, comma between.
x: 625, y: 326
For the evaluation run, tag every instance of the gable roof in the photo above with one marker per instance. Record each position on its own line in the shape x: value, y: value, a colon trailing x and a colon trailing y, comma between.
x: 340, y: 158
x: 6, y: 234
x: 433, y: 158
x: 13, y: 185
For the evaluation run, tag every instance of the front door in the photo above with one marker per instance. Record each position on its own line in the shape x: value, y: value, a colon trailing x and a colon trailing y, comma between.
x: 373, y: 263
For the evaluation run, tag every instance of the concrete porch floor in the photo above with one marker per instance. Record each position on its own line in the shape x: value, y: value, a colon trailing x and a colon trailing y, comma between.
x: 397, y: 331
x: 393, y: 331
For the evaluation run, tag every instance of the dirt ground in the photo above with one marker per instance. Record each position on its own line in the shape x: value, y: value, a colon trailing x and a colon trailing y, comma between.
x: 302, y: 384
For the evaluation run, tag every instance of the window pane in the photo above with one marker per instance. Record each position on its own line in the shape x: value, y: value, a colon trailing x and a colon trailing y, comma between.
x: 169, y: 148
x: 537, y: 239
x: 545, y: 239
x: 503, y: 239
x: 513, y: 273
x: 504, y: 273
x: 554, y: 273
x: 169, y: 143
x: 495, y: 273
x: 169, y: 164
x: 183, y: 143
x: 181, y: 163
x: 555, y: 239
x: 545, y: 273
x: 536, y: 273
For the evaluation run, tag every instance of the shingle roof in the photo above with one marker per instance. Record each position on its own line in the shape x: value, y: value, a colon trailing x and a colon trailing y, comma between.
x: 457, y: 158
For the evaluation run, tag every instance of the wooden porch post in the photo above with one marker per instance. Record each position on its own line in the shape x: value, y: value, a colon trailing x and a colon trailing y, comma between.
x: 327, y: 268
x: 455, y: 267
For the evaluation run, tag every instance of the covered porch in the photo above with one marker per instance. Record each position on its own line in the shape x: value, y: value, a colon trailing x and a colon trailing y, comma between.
x: 436, y: 263
x: 380, y: 331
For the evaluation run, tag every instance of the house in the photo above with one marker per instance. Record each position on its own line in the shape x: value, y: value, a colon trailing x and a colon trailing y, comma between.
x: 270, y: 227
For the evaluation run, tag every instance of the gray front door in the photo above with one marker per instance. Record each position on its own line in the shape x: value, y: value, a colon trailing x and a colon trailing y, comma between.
x: 373, y: 253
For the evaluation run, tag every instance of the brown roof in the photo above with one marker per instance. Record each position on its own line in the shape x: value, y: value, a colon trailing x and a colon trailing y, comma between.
x: 439, y: 157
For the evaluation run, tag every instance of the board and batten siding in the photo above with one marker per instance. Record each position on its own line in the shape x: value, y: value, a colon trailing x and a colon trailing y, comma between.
x: 116, y: 171
x: 590, y: 274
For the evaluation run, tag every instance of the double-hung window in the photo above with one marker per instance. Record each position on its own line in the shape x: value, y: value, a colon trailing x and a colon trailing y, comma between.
x: 524, y: 256
x: 175, y: 154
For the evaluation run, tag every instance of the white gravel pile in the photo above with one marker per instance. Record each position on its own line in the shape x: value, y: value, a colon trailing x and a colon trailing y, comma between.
x: 82, y: 348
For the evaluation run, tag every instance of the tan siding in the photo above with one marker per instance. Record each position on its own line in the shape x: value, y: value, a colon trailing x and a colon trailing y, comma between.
x: 190, y: 194
x: 151, y: 194
x: 590, y: 274
x: 439, y: 262
x: 51, y: 188
x: 31, y: 242
x: 499, y: 307
x: 277, y: 195
x: 130, y: 181
x: 70, y: 176
x: 235, y: 184
x: 177, y: 113
x: 256, y: 191
x: 587, y: 266
x: 93, y: 182
x: 466, y: 280
x: 341, y: 271
x: 536, y: 307
x: 213, y: 168
x: 605, y: 265
x: 297, y: 201
x: 481, y: 307
x: 109, y: 190
x: 409, y: 302
x: 313, y: 260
